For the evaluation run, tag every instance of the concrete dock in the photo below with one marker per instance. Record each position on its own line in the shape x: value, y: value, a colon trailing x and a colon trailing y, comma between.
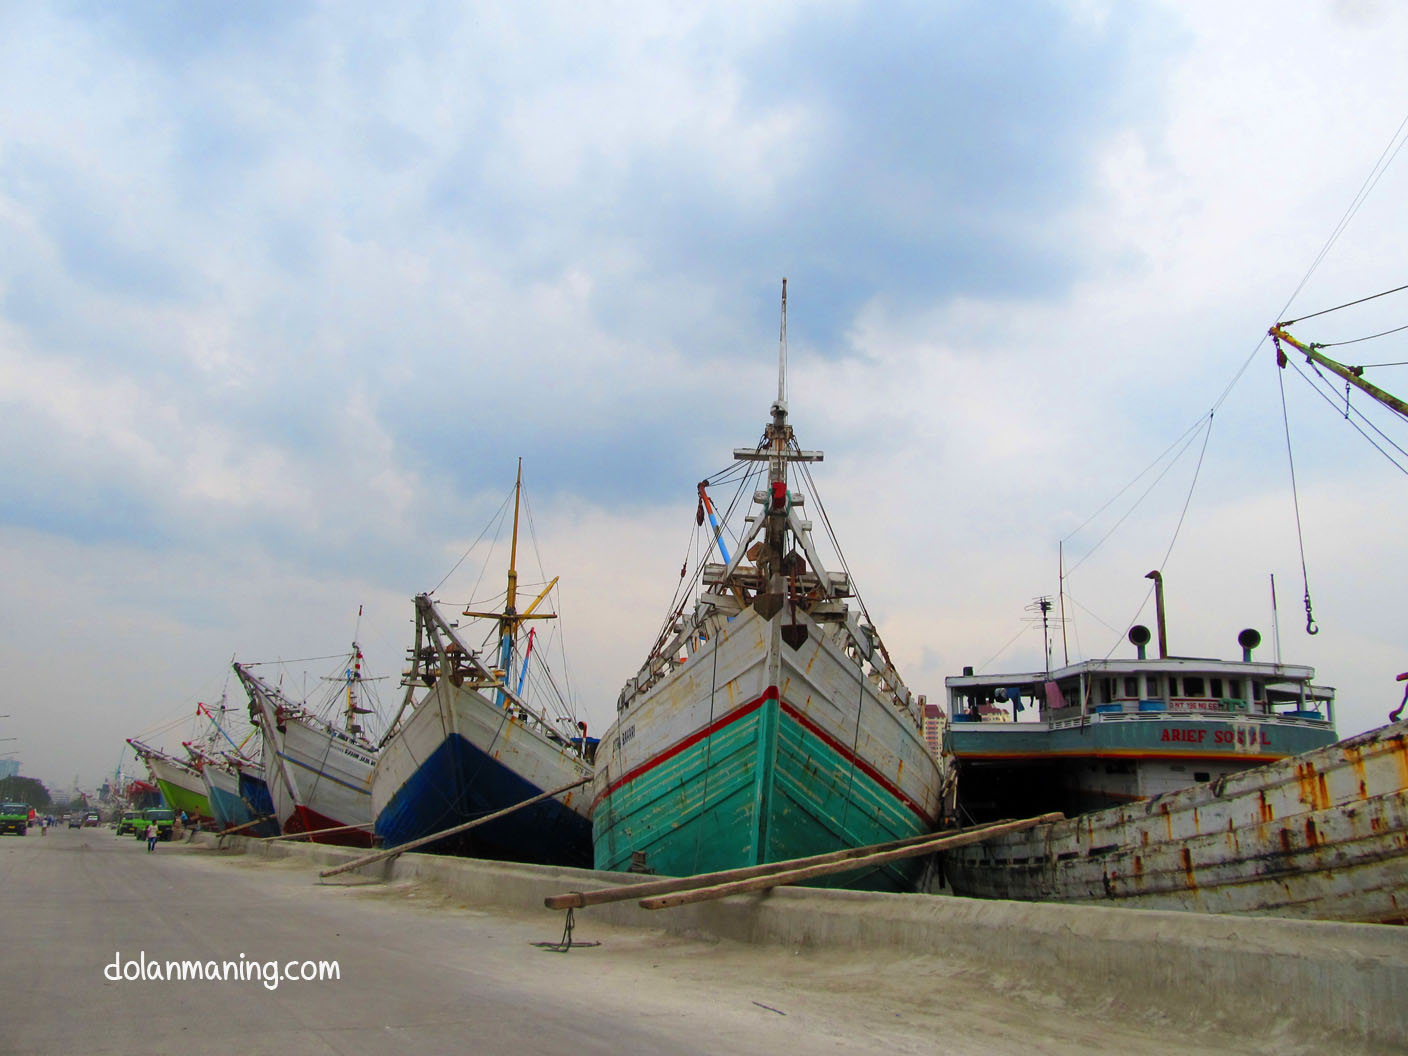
x: 437, y: 954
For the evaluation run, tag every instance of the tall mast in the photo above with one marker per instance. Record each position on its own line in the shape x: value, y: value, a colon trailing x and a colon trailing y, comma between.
x: 510, y: 619
x: 508, y: 625
x: 782, y: 351
x: 511, y: 598
x: 354, y: 677
x: 778, y: 431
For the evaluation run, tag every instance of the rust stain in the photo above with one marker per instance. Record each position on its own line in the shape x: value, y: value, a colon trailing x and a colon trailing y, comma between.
x: 1399, y: 747
x: 1197, y: 824
x: 1355, y: 758
x: 1285, y: 841
x: 1267, y: 814
x: 1187, y: 857
x: 1312, y: 836
x: 1313, y: 792
x: 1138, y: 867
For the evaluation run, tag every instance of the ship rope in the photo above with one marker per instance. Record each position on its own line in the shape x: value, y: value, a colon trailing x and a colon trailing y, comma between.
x: 495, y: 522
x: 714, y: 643
x: 1386, y: 158
x: 855, y: 749
x: 1310, y: 625
x: 1352, y: 414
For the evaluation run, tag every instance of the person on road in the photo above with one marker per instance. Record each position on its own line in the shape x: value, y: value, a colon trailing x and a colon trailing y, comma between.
x: 44, y: 826
x: 151, y: 836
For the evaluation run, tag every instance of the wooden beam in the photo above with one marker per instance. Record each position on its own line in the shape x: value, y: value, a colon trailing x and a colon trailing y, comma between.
x: 316, y: 832
x: 795, y: 875
x: 623, y: 892
x: 248, y: 824
x: 357, y: 863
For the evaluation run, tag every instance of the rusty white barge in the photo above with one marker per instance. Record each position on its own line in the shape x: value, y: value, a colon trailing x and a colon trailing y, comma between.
x: 1319, y: 830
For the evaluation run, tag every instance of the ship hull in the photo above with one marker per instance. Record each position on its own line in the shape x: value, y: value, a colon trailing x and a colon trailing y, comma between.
x: 318, y: 780
x: 227, y: 800
x: 1320, y: 835
x: 224, y: 800
x: 1011, y: 769
x: 460, y: 756
x: 182, y: 789
x: 255, y: 792
x: 753, y: 752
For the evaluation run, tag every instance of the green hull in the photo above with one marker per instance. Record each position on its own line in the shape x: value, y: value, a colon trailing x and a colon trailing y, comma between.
x: 195, y: 804
x: 760, y: 786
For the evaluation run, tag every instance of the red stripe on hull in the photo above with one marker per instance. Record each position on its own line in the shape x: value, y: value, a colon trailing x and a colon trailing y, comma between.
x: 747, y: 709
x: 694, y: 738
x: 305, y: 820
x: 860, y: 764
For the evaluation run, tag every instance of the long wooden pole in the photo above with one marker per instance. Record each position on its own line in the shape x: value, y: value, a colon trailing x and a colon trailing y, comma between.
x: 316, y: 832
x: 792, y: 876
x: 357, y: 863
x: 247, y: 824
x: 623, y: 892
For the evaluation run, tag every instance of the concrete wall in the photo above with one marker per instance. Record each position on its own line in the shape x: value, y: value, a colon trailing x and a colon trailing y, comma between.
x: 1255, y: 975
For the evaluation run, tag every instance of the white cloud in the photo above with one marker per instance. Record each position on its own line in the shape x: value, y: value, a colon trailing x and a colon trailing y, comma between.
x: 302, y: 305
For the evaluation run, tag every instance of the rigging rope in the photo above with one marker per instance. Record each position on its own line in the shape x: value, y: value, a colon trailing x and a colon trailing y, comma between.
x: 1187, y: 439
x: 1355, y: 341
x: 492, y: 521
x: 1310, y: 627
x: 1347, y: 304
x: 1322, y: 394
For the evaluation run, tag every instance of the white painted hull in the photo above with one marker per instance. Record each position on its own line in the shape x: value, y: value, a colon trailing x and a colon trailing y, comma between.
x: 1321, y: 835
x: 316, y: 778
x: 460, y: 755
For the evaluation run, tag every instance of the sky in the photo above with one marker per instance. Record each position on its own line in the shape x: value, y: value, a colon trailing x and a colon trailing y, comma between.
x: 286, y: 289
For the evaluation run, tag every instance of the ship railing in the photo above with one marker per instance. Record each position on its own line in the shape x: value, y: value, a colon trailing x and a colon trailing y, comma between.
x: 1073, y: 721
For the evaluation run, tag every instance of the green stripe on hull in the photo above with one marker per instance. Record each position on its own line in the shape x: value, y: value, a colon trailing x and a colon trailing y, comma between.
x: 179, y: 799
x: 699, y: 811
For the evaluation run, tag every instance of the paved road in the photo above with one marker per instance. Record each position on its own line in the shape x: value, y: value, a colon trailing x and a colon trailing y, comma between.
x: 420, y: 973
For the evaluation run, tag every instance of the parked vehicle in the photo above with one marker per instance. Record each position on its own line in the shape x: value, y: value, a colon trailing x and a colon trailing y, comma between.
x: 75, y: 821
x: 128, y: 823
x: 14, y: 817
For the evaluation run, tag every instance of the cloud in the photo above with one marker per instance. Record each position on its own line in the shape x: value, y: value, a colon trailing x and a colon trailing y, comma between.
x: 290, y: 289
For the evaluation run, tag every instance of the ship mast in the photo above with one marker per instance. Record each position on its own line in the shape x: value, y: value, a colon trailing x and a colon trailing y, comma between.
x: 510, y: 619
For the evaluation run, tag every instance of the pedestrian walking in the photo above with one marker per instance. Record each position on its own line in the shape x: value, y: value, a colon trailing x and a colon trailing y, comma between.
x: 151, y: 836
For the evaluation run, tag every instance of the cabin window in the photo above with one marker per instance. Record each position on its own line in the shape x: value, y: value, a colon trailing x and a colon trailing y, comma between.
x: 1258, y: 690
x: 1155, y: 684
x: 1107, y: 686
x: 1131, y: 687
x: 1193, y: 686
x: 1201, y: 775
x: 1215, y: 684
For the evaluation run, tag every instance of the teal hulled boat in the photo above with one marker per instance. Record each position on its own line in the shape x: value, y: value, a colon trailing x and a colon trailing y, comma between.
x: 768, y: 722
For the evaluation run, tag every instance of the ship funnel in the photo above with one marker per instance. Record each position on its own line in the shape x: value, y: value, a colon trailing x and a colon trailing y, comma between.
x: 1139, y: 638
x: 1248, y: 640
x: 1159, y: 612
